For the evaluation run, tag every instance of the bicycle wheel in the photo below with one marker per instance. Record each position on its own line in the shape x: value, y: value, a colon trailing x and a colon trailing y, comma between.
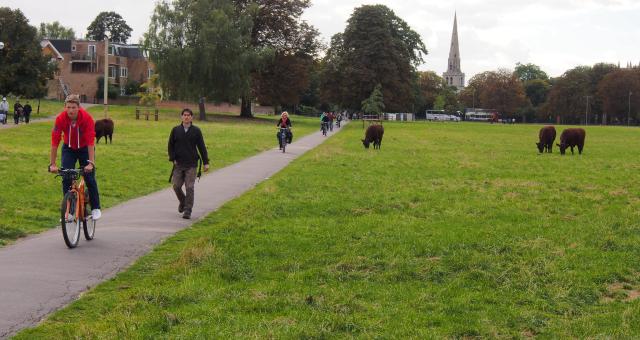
x: 88, y: 224
x: 70, y: 224
x: 283, y: 140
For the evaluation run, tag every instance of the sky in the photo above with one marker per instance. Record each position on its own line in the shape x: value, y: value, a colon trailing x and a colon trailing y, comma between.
x: 556, y: 35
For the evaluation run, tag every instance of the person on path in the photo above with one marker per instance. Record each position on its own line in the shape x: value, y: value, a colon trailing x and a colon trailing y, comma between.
x: 17, y: 111
x: 4, y: 110
x: 284, y: 123
x: 27, y: 112
x: 185, y: 142
x: 78, y: 129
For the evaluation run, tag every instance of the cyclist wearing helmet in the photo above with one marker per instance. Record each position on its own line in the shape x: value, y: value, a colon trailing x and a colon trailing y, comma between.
x: 75, y: 127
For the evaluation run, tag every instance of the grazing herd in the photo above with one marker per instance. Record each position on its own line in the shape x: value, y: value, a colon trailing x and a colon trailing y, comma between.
x: 570, y: 138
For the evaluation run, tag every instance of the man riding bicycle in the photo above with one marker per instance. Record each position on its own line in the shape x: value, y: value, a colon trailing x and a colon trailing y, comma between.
x: 324, y: 121
x: 78, y: 129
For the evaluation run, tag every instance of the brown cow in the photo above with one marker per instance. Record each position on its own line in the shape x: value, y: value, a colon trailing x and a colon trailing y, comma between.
x: 373, y: 135
x: 547, y: 136
x: 104, y: 127
x: 571, y: 138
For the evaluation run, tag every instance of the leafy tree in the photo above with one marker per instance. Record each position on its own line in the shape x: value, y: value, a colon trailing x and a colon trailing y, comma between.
x: 377, y: 47
x: 537, y: 90
x: 152, y: 92
x: 527, y: 72
x: 132, y: 88
x: 375, y: 103
x: 55, y: 30
x: 500, y: 90
x: 275, y: 28
x: 24, y: 70
x: 567, y: 98
x: 429, y: 86
x: 113, y: 91
x: 614, y: 90
x: 283, y: 80
x: 109, y: 24
x: 201, y: 49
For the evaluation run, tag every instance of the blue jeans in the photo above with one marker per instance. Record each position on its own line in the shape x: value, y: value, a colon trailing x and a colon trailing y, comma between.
x: 69, y: 159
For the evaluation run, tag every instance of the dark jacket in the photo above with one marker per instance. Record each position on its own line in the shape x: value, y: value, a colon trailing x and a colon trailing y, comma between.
x: 27, y: 109
x: 184, y: 147
x: 280, y: 123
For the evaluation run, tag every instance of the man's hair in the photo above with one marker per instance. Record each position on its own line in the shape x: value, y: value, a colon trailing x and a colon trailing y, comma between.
x: 187, y: 110
x: 72, y: 98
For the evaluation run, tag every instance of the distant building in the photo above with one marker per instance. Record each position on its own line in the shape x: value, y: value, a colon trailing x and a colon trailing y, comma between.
x: 81, y: 63
x: 454, y: 76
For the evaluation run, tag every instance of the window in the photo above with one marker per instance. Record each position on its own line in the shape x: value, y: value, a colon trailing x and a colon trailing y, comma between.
x: 112, y: 72
x: 149, y: 73
x: 122, y: 91
x: 124, y: 72
x: 92, y: 51
x: 73, y: 48
x: 112, y: 50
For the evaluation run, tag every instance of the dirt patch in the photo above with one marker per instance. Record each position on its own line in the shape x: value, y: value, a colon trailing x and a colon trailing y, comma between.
x: 625, y: 292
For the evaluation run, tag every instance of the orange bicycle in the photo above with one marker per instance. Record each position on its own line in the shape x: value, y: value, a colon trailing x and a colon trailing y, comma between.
x: 73, y: 209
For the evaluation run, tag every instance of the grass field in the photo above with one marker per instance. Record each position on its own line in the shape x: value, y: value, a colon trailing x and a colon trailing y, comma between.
x: 451, y: 230
x: 135, y: 164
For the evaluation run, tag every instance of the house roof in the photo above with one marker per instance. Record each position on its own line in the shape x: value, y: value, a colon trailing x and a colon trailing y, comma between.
x: 133, y: 52
x: 63, y: 46
x: 46, y: 43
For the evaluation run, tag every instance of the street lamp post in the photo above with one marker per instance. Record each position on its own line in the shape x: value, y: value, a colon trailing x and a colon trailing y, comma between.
x: 586, y: 112
x: 629, y: 112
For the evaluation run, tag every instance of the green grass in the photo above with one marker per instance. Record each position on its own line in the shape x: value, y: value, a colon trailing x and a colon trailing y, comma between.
x: 451, y: 230
x: 135, y: 164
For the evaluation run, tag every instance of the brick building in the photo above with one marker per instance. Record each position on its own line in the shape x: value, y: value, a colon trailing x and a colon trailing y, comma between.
x: 81, y: 63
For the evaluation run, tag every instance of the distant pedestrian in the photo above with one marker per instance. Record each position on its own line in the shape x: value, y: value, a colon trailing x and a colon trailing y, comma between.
x: 17, y: 111
x: 186, y: 150
x: 4, y: 110
x: 27, y: 112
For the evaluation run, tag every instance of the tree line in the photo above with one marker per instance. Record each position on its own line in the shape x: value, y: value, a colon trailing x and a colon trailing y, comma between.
x: 248, y: 51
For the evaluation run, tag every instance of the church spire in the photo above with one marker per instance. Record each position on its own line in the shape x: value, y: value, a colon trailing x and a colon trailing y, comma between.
x: 454, y: 52
x: 454, y: 76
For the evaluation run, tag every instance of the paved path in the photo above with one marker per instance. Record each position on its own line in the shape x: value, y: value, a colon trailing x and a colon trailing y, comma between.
x: 39, y: 275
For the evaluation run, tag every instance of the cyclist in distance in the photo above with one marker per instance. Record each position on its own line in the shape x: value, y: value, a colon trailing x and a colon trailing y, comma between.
x: 324, y: 121
x: 284, y: 123
x: 75, y: 127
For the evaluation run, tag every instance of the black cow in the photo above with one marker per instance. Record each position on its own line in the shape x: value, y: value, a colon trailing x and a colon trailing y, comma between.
x: 571, y: 138
x: 104, y: 127
x: 373, y: 135
x: 547, y: 136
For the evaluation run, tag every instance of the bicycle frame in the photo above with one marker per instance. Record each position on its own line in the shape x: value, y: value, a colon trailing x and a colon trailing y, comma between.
x: 77, y: 186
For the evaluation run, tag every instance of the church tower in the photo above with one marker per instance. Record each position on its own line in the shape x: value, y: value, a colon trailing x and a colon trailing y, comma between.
x: 454, y: 76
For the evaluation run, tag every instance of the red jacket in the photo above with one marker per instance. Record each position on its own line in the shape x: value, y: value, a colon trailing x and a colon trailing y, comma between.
x: 76, y: 137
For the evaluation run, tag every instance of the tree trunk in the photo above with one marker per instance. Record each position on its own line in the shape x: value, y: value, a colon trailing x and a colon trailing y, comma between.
x: 203, y: 114
x: 245, y: 108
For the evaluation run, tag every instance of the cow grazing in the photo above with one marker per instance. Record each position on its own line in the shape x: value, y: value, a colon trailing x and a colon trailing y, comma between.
x: 373, y: 135
x: 547, y: 136
x: 104, y: 127
x: 571, y: 138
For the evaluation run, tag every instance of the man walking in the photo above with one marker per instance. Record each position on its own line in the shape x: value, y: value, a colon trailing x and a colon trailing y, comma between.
x: 27, y: 112
x: 185, y: 142
x: 4, y: 110
x: 17, y: 111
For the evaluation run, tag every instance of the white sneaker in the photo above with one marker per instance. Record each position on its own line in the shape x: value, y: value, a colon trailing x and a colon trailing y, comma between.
x: 96, y: 214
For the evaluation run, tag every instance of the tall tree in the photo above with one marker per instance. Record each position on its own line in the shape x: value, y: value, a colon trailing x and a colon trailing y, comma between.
x: 568, y: 95
x: 55, y: 30
x: 501, y: 90
x: 24, y: 70
x: 283, y: 80
x: 619, y: 92
x: 200, y: 48
x: 377, y: 47
x: 275, y: 24
x: 109, y: 24
x: 429, y: 87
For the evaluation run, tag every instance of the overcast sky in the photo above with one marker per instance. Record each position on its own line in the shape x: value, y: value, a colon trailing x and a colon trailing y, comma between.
x: 555, y: 34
